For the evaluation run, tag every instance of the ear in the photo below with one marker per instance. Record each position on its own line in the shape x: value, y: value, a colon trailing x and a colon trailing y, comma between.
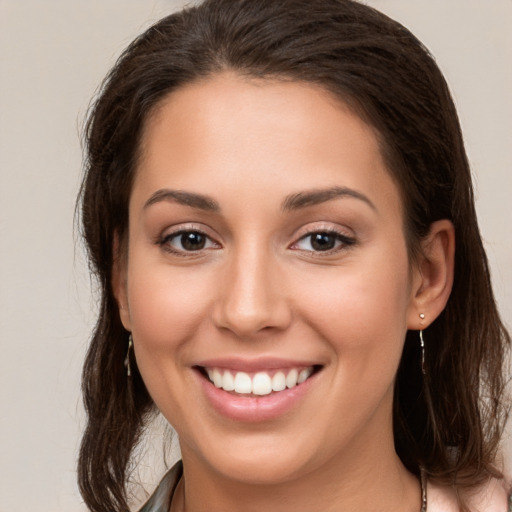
x: 432, y: 276
x: 119, y: 281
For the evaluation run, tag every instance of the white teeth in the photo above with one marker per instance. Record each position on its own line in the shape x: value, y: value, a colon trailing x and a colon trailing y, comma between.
x: 304, y: 375
x: 260, y: 383
x: 228, y: 382
x: 243, y: 383
x: 217, y: 378
x: 278, y: 382
x: 291, y: 378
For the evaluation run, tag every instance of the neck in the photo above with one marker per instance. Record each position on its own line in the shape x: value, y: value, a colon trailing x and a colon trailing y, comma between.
x: 368, y: 476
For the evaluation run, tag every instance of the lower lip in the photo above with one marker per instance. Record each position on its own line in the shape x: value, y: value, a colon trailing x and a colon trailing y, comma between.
x: 254, y: 408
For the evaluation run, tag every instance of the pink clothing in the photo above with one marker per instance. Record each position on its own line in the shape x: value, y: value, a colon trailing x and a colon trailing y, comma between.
x: 490, y: 497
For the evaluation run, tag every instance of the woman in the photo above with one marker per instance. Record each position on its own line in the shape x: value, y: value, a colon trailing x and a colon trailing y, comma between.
x: 279, y: 209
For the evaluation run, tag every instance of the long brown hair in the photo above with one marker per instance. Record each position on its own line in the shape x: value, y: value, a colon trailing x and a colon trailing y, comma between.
x: 449, y: 421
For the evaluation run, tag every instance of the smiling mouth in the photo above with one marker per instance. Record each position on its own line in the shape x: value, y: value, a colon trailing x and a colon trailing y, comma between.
x: 260, y: 383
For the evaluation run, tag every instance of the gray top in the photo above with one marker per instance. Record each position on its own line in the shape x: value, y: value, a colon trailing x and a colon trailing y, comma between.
x: 160, y: 500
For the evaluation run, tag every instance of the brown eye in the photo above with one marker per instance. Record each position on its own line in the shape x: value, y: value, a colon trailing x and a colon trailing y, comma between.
x: 187, y: 241
x: 323, y: 241
x: 192, y: 241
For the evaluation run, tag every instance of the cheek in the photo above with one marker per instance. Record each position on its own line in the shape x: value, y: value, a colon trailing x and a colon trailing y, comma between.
x: 167, y: 307
x: 361, y: 313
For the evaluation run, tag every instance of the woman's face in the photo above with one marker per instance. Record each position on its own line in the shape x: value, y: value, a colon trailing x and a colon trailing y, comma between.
x: 266, y: 245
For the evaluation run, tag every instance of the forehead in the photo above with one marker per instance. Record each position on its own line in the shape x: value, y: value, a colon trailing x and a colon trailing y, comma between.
x: 228, y: 133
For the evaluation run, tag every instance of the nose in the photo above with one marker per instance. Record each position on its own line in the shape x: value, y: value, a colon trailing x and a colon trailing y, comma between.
x: 252, y: 295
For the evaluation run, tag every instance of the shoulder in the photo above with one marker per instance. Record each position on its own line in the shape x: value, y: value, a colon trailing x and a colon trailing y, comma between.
x: 492, y: 496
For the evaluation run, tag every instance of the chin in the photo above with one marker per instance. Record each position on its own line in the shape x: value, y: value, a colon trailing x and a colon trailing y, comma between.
x: 262, y: 459
x: 263, y: 469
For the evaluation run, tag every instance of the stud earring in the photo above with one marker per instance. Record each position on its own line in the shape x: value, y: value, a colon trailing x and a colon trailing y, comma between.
x: 127, y: 358
x: 422, y: 345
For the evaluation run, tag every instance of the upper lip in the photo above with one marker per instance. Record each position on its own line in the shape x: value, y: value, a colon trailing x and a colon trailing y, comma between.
x: 255, y: 364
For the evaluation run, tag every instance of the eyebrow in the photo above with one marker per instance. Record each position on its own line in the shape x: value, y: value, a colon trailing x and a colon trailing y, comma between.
x: 318, y: 196
x: 185, y: 198
x: 292, y: 202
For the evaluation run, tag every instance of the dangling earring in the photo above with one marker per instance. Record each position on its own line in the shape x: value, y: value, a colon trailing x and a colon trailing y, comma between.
x: 127, y: 358
x: 422, y: 345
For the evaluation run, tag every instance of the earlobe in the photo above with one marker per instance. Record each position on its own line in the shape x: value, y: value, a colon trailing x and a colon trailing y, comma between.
x: 433, y: 280
x: 119, y: 282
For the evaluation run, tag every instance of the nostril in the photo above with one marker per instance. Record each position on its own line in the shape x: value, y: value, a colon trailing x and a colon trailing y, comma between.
x: 246, y: 321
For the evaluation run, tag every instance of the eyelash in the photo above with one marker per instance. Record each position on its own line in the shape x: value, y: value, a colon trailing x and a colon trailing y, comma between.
x: 166, y: 240
x: 344, y: 242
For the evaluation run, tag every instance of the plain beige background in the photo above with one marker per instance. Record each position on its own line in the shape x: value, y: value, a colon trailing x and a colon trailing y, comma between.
x: 53, y: 56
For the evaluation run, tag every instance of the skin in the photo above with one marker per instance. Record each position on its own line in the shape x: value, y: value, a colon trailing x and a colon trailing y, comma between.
x: 258, y: 288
